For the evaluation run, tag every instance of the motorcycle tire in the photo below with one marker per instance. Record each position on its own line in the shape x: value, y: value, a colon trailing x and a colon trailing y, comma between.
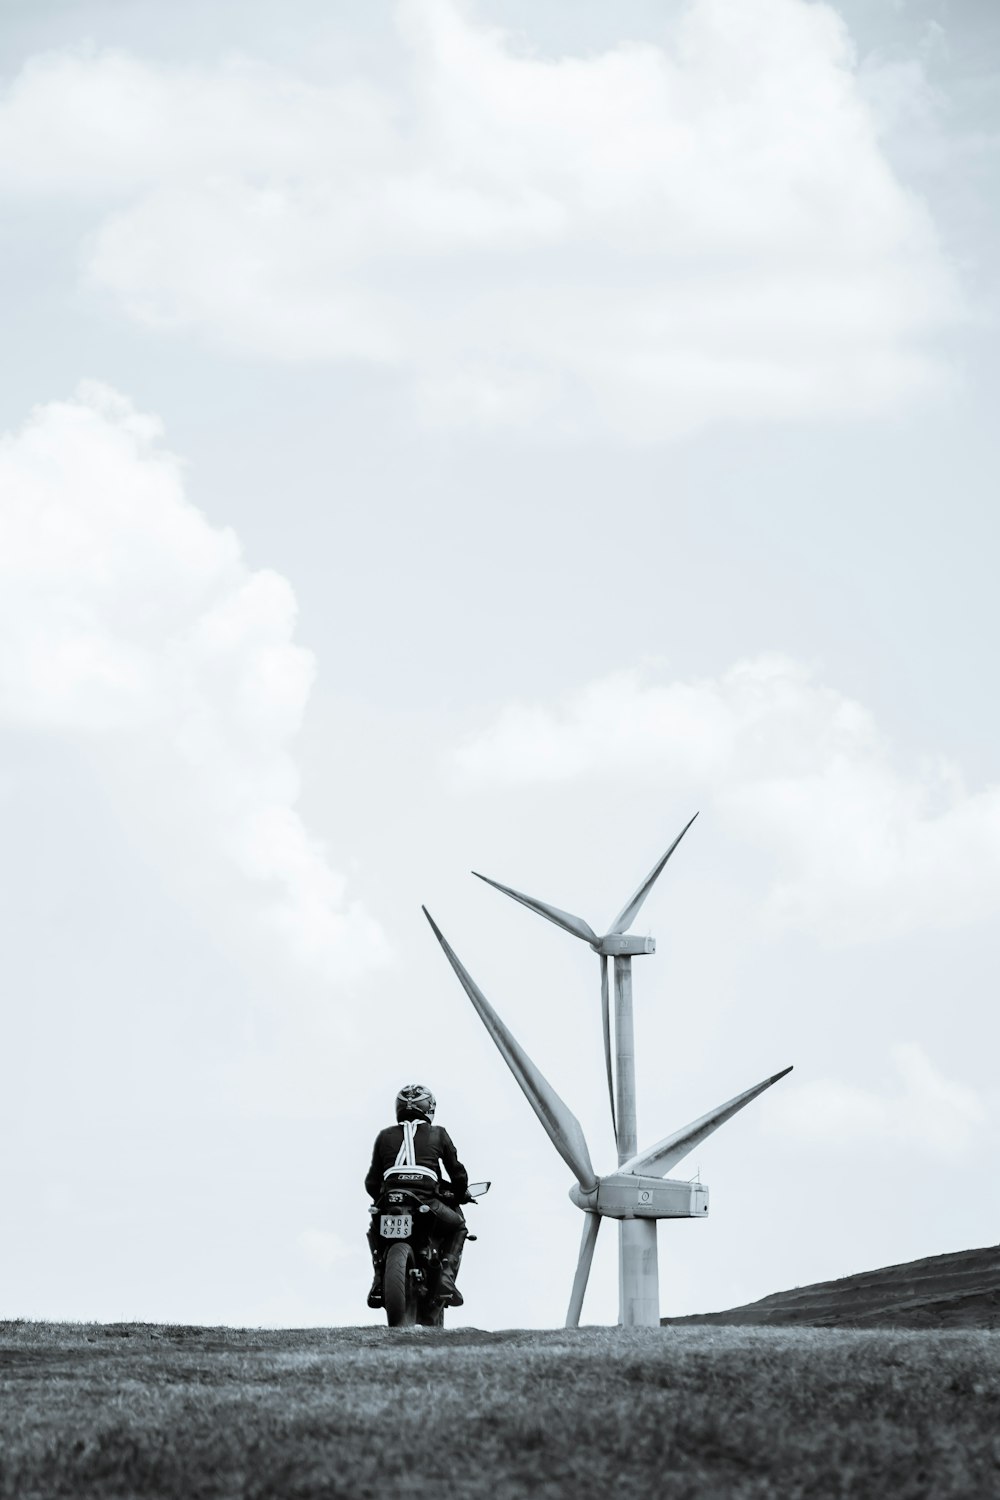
x: 398, y: 1292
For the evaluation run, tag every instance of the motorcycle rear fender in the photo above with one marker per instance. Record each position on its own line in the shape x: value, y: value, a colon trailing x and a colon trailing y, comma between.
x: 398, y: 1197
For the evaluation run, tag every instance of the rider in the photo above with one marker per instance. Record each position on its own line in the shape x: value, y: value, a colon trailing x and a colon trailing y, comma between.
x: 432, y: 1146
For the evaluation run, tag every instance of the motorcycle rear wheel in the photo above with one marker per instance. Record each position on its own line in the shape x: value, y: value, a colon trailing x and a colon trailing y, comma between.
x: 399, y: 1296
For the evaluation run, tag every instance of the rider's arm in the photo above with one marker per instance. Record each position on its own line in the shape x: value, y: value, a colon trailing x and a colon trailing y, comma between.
x: 373, y: 1181
x: 456, y: 1172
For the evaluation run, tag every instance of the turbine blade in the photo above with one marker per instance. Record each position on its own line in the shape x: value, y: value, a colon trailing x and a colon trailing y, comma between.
x: 564, y: 919
x: 630, y: 910
x: 657, y: 1161
x: 606, y: 1022
x: 558, y: 1120
x: 591, y: 1224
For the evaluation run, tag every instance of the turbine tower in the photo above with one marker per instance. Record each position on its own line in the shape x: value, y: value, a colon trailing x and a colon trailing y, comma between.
x: 638, y: 1193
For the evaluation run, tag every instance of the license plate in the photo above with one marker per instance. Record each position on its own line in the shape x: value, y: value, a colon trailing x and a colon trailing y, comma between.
x: 396, y: 1226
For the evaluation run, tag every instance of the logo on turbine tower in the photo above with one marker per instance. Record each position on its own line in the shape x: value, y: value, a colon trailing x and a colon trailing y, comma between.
x: 638, y: 1193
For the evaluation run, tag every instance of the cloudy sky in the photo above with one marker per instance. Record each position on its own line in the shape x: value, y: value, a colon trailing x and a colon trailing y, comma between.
x: 468, y: 433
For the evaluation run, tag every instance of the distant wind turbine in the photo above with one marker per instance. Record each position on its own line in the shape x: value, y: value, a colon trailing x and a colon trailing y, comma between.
x: 638, y: 1193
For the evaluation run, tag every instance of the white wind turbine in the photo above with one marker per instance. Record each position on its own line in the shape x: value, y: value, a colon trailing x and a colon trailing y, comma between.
x: 638, y: 1193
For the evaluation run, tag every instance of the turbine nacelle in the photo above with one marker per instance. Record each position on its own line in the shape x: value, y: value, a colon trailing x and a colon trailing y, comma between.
x: 625, y: 1195
x: 623, y: 945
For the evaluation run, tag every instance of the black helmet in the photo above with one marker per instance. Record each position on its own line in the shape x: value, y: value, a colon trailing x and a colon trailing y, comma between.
x: 414, y: 1102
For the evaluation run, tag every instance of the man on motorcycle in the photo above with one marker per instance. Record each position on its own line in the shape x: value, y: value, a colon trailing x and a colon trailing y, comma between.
x: 416, y: 1140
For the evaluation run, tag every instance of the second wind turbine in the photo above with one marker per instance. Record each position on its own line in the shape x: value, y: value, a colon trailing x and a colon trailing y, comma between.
x: 638, y: 1193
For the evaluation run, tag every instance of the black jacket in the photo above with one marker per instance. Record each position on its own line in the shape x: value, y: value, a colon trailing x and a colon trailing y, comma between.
x: 432, y: 1146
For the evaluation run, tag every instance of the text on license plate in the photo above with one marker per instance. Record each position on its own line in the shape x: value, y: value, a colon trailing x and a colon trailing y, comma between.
x: 396, y: 1226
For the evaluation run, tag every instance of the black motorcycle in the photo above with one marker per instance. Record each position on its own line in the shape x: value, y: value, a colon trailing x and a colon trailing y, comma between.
x: 417, y: 1220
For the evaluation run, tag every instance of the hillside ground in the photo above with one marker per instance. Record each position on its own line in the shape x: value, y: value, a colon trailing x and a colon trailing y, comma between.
x: 140, y: 1410
x: 958, y: 1290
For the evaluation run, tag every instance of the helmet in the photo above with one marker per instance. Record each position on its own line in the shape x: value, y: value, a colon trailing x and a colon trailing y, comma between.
x: 414, y: 1102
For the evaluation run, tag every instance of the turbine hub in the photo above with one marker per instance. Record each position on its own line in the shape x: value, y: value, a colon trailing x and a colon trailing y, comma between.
x: 586, y: 1201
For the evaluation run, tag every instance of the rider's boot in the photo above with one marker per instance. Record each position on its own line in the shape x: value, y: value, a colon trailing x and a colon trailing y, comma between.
x: 446, y: 1284
x: 375, y: 1295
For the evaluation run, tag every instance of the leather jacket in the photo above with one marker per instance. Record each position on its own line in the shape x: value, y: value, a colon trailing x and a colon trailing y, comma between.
x: 432, y: 1147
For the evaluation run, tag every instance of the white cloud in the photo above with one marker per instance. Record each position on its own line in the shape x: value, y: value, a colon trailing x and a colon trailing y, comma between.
x: 926, y: 1112
x: 134, y: 627
x: 650, y: 238
x: 863, y: 845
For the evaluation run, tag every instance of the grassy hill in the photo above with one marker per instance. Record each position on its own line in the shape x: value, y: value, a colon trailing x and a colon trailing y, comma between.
x: 126, y: 1412
x: 943, y: 1291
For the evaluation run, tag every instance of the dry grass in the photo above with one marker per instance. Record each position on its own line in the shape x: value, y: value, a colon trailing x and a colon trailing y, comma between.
x: 141, y: 1410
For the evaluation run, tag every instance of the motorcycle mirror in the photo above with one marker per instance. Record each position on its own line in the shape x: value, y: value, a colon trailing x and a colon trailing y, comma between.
x: 477, y: 1189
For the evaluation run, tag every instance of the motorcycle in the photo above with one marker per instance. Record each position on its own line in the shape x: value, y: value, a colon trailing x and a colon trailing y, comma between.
x: 416, y: 1218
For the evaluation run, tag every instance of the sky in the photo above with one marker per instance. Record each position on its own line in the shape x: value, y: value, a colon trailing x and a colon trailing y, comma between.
x: 464, y: 434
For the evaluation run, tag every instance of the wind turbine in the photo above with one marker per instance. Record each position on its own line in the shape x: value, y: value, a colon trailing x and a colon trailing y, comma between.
x: 639, y: 1192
